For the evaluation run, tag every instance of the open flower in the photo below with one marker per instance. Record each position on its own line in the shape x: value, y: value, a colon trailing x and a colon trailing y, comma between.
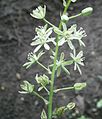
x: 78, y: 60
x: 32, y: 58
x: 68, y: 35
x: 78, y: 35
x: 42, y: 38
x: 39, y: 13
x: 61, y: 64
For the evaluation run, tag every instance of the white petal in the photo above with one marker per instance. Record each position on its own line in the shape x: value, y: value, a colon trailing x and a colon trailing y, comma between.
x: 37, y: 48
x: 79, y: 69
x: 80, y: 54
x: 75, y: 66
x: 81, y: 63
x: 64, y: 26
x: 23, y: 92
x: 61, y: 42
x: 46, y: 46
x: 70, y: 45
x: 37, y: 42
x: 81, y: 43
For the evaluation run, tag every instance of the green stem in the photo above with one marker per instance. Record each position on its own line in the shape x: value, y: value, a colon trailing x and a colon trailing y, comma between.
x: 35, y: 93
x: 63, y: 89
x: 72, y: 17
x: 54, y: 69
x: 44, y: 67
x: 49, y: 23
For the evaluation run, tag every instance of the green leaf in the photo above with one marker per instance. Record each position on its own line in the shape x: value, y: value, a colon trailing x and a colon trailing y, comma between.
x: 43, y: 115
x: 99, y: 104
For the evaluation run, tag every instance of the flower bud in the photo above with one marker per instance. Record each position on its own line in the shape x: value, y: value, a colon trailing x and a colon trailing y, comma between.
x: 43, y: 115
x: 64, y: 17
x: 87, y: 11
x: 79, y: 86
x: 73, y: 0
x: 71, y: 105
x: 27, y: 87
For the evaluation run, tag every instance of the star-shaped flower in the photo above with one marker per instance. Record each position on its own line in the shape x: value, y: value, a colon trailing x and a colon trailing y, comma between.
x: 32, y: 58
x: 78, y: 60
x: 42, y: 38
x: 68, y: 35
x: 61, y: 64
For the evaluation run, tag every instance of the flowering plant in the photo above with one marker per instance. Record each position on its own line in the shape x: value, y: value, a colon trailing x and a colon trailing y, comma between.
x: 42, y: 39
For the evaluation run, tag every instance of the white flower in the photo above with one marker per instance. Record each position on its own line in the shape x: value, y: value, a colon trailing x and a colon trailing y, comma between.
x: 61, y: 64
x: 78, y: 35
x: 68, y: 35
x: 32, y: 58
x: 39, y: 13
x: 42, y: 38
x: 78, y: 60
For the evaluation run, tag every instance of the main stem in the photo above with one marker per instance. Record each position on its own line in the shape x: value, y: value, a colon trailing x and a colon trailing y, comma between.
x: 54, y: 69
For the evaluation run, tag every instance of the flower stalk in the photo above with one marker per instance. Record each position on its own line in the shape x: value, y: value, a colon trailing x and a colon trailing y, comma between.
x: 54, y: 67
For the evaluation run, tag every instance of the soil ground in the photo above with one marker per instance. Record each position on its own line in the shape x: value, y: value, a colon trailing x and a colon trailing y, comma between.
x: 17, y: 30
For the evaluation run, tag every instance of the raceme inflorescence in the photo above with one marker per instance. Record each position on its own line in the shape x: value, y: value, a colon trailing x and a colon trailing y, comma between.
x: 41, y: 43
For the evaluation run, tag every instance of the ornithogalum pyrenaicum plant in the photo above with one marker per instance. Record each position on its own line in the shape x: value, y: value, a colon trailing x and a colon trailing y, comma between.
x: 64, y: 34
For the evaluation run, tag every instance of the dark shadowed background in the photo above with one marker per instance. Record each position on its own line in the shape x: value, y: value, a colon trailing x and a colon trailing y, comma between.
x: 16, y: 32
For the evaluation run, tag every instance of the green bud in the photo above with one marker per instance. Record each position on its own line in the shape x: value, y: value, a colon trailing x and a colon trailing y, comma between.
x: 43, y: 115
x: 87, y: 11
x: 64, y: 17
x: 71, y: 105
x: 79, y: 86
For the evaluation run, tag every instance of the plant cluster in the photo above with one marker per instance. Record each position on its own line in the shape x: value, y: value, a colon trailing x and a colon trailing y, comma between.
x: 41, y: 43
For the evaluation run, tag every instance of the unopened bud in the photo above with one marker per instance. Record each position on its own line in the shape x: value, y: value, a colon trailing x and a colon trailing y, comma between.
x: 64, y: 17
x: 71, y: 105
x: 79, y: 86
x: 87, y: 11
x: 73, y: 0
